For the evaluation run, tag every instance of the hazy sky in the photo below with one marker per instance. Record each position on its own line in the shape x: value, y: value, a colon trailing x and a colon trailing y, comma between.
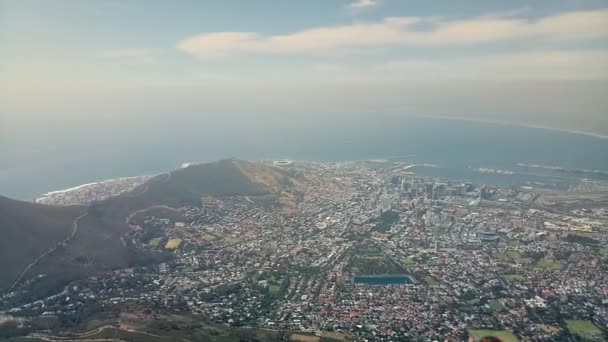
x: 65, y: 64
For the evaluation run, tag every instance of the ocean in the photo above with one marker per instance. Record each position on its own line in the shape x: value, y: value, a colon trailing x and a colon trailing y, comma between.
x: 458, y: 148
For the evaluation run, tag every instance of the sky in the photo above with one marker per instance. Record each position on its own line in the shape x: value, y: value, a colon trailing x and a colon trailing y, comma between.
x: 67, y: 64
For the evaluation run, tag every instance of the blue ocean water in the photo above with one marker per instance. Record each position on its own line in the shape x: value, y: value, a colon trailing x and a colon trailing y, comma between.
x: 383, y: 280
x: 457, y: 147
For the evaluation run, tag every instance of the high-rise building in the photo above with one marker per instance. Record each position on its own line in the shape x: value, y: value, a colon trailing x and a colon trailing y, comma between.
x: 429, y: 189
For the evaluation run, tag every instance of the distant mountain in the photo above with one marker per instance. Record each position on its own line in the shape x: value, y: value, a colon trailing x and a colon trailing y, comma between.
x: 33, y: 231
x: 187, y: 185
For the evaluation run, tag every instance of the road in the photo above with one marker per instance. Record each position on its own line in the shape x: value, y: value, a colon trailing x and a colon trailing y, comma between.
x: 49, y: 251
x: 160, y: 206
x: 85, y: 335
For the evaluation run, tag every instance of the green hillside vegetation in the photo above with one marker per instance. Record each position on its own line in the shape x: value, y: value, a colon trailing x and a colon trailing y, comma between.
x: 408, y: 261
x: 386, y: 220
x: 584, y: 329
x: 503, y: 335
x: 497, y: 306
x: 430, y: 280
x: 550, y: 264
x: 155, y: 242
x: 362, y: 265
x: 514, y: 277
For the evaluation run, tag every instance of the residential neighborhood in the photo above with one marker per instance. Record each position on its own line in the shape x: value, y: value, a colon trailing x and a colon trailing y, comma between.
x: 362, y: 248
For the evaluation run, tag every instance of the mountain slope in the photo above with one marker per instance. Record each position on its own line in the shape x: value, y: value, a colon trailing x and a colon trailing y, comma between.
x: 29, y: 230
x: 184, y: 186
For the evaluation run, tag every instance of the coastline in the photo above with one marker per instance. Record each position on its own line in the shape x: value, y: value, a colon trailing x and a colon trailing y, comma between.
x: 47, y: 196
x: 454, y: 145
x: 519, y: 124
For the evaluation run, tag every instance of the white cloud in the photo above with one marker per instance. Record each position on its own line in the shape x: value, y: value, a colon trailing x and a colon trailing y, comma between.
x: 364, y: 3
x: 219, y: 44
x: 400, y: 31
